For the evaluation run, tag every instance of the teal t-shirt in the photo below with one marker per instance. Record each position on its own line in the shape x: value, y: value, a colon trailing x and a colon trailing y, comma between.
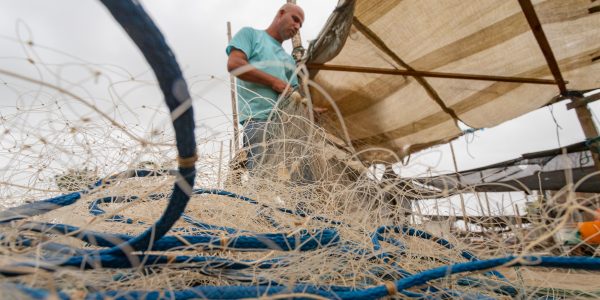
x: 255, y: 101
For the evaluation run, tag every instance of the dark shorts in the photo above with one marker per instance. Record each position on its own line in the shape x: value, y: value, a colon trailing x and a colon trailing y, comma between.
x: 255, y: 140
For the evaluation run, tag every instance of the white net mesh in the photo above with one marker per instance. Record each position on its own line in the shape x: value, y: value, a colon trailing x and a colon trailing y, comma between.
x: 72, y: 123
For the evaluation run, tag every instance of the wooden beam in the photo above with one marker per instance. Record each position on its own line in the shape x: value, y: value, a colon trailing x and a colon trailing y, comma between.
x: 232, y: 86
x: 385, y: 71
x: 540, y: 36
x: 578, y: 102
x: 589, y: 130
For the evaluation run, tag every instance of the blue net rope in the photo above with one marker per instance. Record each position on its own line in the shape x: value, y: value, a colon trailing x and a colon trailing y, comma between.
x: 241, y: 240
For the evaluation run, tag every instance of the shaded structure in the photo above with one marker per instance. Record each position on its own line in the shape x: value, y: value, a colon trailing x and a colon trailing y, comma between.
x: 549, y: 170
x: 404, y: 74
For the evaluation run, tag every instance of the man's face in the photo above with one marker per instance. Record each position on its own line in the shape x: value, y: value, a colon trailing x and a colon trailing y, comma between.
x: 290, y: 22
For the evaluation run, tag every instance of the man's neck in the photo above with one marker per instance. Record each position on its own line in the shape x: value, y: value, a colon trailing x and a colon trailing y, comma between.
x: 273, y: 33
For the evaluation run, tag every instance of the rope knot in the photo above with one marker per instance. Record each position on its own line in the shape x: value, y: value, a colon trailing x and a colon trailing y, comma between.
x: 224, y: 241
x: 187, y: 162
x: 391, y: 288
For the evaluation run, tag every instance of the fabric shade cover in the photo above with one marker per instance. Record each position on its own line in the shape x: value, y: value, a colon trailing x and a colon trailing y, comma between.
x: 404, y: 73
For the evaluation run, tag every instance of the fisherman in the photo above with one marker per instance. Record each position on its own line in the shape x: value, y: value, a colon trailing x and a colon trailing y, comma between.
x: 265, y: 71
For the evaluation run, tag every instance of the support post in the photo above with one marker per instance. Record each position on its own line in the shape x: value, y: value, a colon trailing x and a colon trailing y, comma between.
x: 220, y: 166
x: 589, y: 130
x: 487, y: 199
x: 487, y: 203
x: 462, y: 199
x: 232, y: 86
x: 518, y: 216
x: 298, y: 50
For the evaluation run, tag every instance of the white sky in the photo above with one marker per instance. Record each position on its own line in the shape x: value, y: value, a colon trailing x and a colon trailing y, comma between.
x: 196, y: 31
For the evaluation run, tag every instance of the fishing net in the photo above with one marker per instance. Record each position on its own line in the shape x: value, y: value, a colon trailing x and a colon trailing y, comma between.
x: 90, y: 163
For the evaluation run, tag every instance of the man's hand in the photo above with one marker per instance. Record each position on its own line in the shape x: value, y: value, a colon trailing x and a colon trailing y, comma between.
x: 279, y: 86
x: 317, y: 111
x: 238, y: 61
x: 320, y: 110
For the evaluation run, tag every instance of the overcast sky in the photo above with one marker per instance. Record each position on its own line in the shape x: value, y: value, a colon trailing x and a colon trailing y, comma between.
x: 196, y: 31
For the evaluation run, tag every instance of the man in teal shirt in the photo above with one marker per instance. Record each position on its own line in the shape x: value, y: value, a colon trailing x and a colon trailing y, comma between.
x: 264, y: 70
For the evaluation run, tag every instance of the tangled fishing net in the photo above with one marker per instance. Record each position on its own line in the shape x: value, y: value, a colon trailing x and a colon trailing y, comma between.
x: 86, y: 178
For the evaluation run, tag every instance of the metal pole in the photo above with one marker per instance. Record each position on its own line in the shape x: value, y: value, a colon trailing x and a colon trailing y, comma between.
x: 232, y: 86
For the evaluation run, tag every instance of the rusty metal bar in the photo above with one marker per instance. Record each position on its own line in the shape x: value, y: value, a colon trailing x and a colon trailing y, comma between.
x: 328, y: 67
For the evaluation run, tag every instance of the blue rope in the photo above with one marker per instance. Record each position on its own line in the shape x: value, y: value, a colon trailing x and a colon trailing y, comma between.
x: 151, y: 42
x: 409, y: 280
x: 31, y: 293
x: 236, y: 292
x: 148, y: 38
x: 211, y: 242
x: 107, y: 240
x: 96, y: 210
x: 38, y: 208
x: 302, y: 241
x: 251, y: 201
x: 209, y: 227
x: 440, y: 241
x: 47, y: 205
x: 580, y: 263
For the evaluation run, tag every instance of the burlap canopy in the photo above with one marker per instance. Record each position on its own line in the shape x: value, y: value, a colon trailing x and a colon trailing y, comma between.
x: 403, y: 73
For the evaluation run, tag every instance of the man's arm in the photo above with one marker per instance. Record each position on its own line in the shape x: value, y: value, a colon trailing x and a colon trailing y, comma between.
x: 237, y: 59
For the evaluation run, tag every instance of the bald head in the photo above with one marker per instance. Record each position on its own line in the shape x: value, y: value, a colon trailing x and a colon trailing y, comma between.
x: 287, y: 22
x: 291, y: 7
